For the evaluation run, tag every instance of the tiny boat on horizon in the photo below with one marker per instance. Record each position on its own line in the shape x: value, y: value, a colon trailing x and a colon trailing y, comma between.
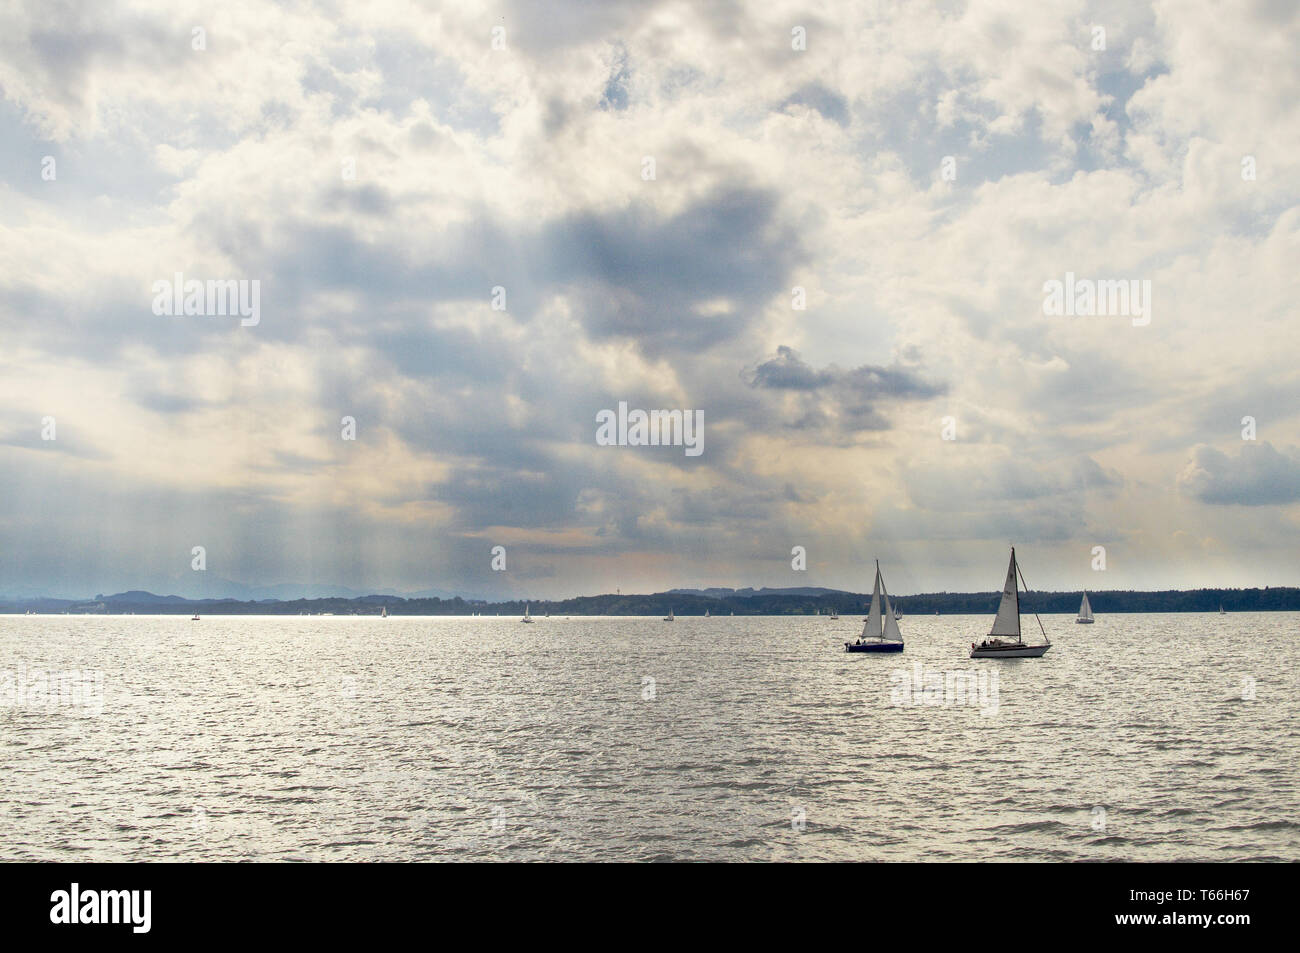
x: 527, y: 617
x: 670, y: 617
x: 1085, y: 612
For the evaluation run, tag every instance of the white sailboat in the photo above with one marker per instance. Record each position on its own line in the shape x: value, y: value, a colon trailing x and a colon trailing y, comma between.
x: 1085, y: 612
x: 880, y: 633
x: 527, y: 617
x: 835, y: 615
x: 670, y: 617
x: 706, y: 613
x: 384, y: 613
x: 1005, y: 640
x: 1221, y: 612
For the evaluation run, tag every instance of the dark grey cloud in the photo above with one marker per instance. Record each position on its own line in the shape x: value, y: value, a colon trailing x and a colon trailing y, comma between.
x: 1258, y: 475
x: 643, y: 276
x: 787, y: 371
x: 836, y: 399
x: 630, y: 272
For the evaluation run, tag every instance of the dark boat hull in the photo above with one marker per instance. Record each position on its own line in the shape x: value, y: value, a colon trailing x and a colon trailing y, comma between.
x: 1011, y: 650
x: 873, y: 646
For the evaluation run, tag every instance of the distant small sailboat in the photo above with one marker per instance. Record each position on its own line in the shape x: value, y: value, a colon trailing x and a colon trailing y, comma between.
x: 880, y: 632
x: 670, y: 617
x: 1006, y: 625
x: 384, y: 613
x: 1221, y: 612
x: 1085, y: 612
x: 706, y: 613
x: 527, y: 617
x: 195, y: 619
x: 835, y: 615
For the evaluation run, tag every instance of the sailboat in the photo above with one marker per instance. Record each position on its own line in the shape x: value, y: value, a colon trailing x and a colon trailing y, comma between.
x: 880, y: 632
x: 669, y: 617
x: 527, y: 617
x: 835, y: 615
x: 1221, y: 612
x: 706, y: 613
x: 1006, y: 626
x: 384, y: 613
x: 1085, y: 612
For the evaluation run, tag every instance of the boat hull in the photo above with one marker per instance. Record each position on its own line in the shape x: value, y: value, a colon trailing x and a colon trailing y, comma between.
x: 1083, y: 621
x: 1009, y: 651
x: 873, y: 646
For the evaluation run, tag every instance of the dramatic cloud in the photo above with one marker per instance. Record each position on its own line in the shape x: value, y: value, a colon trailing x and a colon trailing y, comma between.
x: 475, y: 227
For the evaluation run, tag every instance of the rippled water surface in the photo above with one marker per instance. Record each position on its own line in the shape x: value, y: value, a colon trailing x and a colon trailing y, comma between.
x: 315, y: 738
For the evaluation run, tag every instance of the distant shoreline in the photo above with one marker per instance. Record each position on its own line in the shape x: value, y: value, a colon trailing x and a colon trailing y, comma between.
x: 682, y: 604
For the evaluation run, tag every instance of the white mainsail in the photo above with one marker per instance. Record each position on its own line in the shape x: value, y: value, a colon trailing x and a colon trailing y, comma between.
x: 1007, y: 622
x: 871, y: 629
x: 881, y: 623
x: 1085, y: 610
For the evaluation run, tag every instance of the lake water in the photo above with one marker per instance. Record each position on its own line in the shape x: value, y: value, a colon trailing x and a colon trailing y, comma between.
x: 1143, y: 737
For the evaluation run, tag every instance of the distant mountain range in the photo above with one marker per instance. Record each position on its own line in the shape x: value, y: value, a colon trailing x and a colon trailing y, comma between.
x: 683, y: 602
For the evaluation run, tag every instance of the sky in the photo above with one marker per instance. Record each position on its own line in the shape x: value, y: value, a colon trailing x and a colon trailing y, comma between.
x: 828, y: 228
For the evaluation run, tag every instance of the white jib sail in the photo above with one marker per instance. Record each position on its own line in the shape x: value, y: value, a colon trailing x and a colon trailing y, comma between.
x: 891, y: 622
x: 871, y: 630
x: 1008, y: 619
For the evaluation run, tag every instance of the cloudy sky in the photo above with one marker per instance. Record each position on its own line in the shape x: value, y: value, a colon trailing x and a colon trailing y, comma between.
x: 379, y: 169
